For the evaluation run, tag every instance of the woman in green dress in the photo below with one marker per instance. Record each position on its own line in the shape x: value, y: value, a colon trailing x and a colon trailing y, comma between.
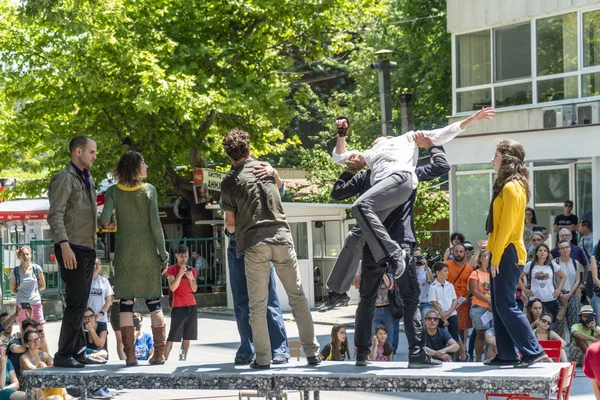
x: 140, y: 251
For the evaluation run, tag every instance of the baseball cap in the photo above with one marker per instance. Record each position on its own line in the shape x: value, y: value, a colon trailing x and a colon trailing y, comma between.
x: 468, y: 245
x: 586, y: 310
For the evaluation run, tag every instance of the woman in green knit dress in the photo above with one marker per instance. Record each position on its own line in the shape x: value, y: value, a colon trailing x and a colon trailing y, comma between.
x: 140, y: 250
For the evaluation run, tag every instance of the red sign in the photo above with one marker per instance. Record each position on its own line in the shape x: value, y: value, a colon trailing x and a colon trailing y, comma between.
x: 23, y: 215
x: 198, y: 176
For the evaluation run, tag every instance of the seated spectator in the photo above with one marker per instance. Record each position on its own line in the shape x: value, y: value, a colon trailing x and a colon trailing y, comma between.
x: 26, y: 283
x: 382, y: 349
x: 9, y: 383
x: 440, y: 345
x: 479, y: 286
x: 17, y: 345
x: 96, y: 333
x: 338, y: 349
x: 101, y: 294
x: 443, y: 299
x: 7, y: 322
x: 584, y: 333
x: 541, y: 273
x: 536, y: 310
x: 490, y: 343
x: 35, y: 358
x: 144, y: 344
x: 543, y: 332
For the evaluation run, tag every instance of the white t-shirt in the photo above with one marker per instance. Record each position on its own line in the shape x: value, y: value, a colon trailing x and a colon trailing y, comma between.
x: 399, y: 153
x: 542, y: 280
x: 100, y: 290
x: 424, y: 284
x: 570, y: 271
x: 443, y: 294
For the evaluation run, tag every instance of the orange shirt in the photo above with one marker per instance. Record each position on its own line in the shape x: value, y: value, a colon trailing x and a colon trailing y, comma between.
x: 461, y: 283
x: 483, y: 283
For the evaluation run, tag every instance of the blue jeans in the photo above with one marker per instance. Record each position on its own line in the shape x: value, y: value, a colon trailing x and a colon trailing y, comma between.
x: 383, y: 316
x: 239, y: 291
x: 596, y: 304
x: 512, y: 329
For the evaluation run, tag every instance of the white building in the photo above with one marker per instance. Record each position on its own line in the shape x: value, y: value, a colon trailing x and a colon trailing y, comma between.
x: 538, y: 63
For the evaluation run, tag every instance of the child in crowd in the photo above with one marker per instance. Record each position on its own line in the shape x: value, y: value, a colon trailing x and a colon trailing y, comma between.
x: 338, y: 349
x: 144, y: 343
x: 443, y: 299
x: 382, y: 349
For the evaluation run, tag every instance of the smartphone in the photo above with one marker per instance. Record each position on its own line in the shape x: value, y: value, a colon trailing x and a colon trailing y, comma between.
x: 25, y: 306
x: 189, y: 268
x: 137, y: 323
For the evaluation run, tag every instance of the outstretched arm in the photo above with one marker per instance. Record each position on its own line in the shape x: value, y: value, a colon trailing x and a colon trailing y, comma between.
x: 442, y: 136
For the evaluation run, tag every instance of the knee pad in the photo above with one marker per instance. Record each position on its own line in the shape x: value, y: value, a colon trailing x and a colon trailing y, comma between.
x: 154, y: 305
x: 124, y: 307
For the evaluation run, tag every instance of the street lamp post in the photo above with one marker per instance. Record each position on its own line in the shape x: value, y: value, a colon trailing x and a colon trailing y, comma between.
x: 383, y: 67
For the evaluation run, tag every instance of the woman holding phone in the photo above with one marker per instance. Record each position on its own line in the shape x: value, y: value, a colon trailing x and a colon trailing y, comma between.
x: 26, y: 282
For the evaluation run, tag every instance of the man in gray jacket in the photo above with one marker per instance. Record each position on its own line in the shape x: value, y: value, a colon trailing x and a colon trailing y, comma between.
x: 73, y: 220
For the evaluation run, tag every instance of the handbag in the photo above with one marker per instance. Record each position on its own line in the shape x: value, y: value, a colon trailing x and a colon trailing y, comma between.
x: 396, y: 305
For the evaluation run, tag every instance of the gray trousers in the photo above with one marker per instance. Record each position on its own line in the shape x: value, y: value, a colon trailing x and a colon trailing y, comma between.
x: 370, y: 210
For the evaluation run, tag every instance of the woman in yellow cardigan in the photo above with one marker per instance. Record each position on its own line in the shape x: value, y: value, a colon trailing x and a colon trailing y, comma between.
x: 511, y: 194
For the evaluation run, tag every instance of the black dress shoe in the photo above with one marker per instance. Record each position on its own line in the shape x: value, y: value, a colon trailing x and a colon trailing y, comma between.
x: 362, y: 360
x: 528, y: 361
x: 255, y: 365
x: 67, y: 363
x: 313, y: 360
x: 242, y: 361
x: 87, y: 360
x: 498, y: 362
x: 426, y: 362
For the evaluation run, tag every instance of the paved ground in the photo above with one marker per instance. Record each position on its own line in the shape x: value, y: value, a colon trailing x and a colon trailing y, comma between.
x: 218, y: 341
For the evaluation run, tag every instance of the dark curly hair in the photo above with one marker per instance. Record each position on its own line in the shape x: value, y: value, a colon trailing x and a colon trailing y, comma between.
x: 126, y: 170
x: 512, y: 166
x: 237, y: 144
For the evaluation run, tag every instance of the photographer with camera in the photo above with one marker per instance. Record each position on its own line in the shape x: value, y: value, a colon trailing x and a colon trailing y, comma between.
x: 425, y: 278
x: 584, y: 334
x: 184, y: 322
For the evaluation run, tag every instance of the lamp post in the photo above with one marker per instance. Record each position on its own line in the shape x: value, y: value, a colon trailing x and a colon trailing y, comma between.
x: 383, y: 67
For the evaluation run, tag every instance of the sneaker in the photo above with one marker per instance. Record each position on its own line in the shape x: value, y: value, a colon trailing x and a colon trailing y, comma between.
x: 279, y: 359
x: 362, y: 360
x: 497, y: 362
x: 255, y: 365
x: 398, y: 263
x: 242, y: 361
x: 102, y: 393
x: 313, y: 360
x: 341, y: 300
x: 467, y: 359
x: 428, y: 362
x: 328, y: 303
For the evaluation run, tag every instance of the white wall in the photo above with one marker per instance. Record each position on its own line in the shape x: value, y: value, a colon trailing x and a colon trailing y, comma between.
x: 469, y: 15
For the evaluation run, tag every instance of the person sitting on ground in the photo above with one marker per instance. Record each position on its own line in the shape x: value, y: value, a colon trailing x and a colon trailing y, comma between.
x: 184, y: 322
x: 9, y: 383
x: 543, y: 332
x: 17, y: 345
x: 338, y: 349
x: 583, y: 334
x: 144, y: 344
x: 26, y: 283
x: 479, y: 286
x: 490, y: 343
x: 536, y: 310
x: 96, y: 333
x: 455, y: 238
x: 101, y: 294
x: 443, y: 299
x: 35, y: 358
x: 440, y: 345
x: 7, y: 322
x: 382, y: 349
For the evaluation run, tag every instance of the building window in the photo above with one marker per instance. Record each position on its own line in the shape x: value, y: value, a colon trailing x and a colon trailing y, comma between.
x: 513, y: 52
x: 551, y: 185
x: 473, y: 100
x: 473, y: 61
x: 300, y: 235
x: 556, y: 44
x: 557, y: 89
x: 513, y: 95
x: 590, y: 84
x: 591, y: 38
x: 472, y: 204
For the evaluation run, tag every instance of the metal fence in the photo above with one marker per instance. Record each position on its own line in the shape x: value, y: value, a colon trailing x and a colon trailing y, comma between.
x: 211, y: 261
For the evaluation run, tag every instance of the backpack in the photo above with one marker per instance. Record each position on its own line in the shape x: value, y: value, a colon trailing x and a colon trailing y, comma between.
x: 18, y: 274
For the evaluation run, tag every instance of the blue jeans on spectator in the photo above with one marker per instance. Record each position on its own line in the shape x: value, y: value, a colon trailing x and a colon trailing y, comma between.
x: 512, y: 329
x: 383, y: 316
x: 396, y: 335
x: 596, y: 304
x: 239, y: 291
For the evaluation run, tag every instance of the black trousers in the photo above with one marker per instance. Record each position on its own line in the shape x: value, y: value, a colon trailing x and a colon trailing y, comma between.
x: 410, y: 292
x: 78, y: 282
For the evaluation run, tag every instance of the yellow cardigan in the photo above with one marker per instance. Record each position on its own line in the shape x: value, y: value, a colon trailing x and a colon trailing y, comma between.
x: 509, y: 217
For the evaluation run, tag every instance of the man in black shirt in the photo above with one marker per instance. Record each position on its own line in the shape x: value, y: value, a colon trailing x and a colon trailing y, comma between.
x: 566, y: 220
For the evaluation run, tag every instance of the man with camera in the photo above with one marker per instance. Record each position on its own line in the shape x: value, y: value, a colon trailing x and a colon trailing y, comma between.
x: 584, y: 334
x: 184, y: 322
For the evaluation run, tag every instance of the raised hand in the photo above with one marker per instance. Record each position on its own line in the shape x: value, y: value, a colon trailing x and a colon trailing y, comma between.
x: 422, y: 141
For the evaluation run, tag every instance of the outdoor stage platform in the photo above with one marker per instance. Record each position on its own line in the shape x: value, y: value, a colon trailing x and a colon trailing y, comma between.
x: 539, y: 379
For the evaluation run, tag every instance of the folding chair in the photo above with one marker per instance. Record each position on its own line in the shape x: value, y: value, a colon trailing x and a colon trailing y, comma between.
x: 552, y: 349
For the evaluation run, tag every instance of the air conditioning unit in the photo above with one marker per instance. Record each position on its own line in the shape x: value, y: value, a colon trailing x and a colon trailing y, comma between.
x: 588, y: 113
x: 559, y: 116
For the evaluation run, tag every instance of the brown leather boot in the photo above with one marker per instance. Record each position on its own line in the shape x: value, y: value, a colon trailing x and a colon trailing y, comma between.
x: 128, y: 335
x: 160, y: 342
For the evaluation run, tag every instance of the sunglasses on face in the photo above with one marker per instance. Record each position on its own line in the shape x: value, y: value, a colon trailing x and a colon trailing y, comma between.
x: 433, y: 319
x: 35, y: 340
x: 545, y: 321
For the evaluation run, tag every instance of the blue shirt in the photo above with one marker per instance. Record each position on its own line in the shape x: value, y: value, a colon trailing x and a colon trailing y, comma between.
x: 439, y: 340
x: 9, y: 367
x: 143, y: 344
